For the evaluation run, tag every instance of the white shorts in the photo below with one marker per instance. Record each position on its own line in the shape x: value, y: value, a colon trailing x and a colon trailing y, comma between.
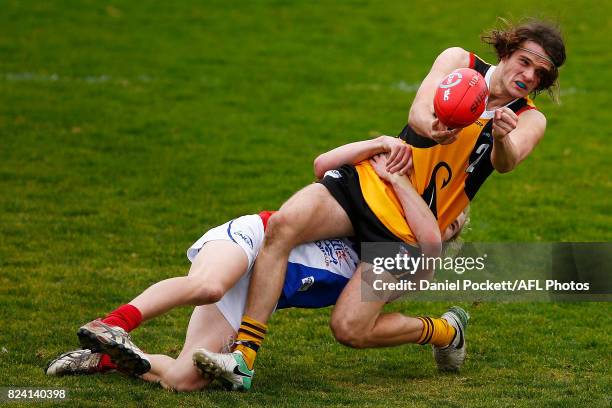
x: 248, y: 232
x: 316, y: 271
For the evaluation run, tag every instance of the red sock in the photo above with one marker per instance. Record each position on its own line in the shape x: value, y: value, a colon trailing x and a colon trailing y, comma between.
x: 106, y: 364
x: 127, y: 317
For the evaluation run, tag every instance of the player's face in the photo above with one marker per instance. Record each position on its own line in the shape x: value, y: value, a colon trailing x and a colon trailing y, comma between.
x: 523, y: 69
x: 455, y: 227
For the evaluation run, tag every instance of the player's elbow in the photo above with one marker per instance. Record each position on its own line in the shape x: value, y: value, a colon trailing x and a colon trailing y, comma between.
x: 430, y: 241
x: 504, y: 169
x: 432, y: 250
x: 431, y: 244
x: 505, y: 166
x: 319, y: 166
x: 412, y: 117
x: 456, y: 57
x: 454, y: 52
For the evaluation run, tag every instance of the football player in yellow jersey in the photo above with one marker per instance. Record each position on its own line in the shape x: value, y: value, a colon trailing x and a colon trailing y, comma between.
x: 448, y: 170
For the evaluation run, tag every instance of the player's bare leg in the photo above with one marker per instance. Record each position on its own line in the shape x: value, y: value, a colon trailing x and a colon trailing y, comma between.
x: 207, y: 328
x: 216, y: 268
x: 310, y: 214
x: 357, y: 321
x: 360, y: 324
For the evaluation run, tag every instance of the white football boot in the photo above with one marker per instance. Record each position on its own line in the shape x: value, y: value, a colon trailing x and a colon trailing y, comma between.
x: 451, y: 357
x: 229, y: 368
x: 77, y: 362
x: 114, y: 341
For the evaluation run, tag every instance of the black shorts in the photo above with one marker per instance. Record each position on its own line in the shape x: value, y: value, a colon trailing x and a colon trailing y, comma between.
x: 368, y: 228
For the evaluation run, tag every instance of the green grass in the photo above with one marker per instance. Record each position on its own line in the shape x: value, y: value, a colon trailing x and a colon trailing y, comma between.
x: 129, y: 128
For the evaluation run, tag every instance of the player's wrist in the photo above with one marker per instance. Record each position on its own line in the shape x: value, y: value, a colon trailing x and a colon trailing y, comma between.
x: 383, y: 144
x: 397, y: 179
x: 500, y: 138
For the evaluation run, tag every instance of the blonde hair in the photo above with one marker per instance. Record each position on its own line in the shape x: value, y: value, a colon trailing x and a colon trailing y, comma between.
x: 453, y: 245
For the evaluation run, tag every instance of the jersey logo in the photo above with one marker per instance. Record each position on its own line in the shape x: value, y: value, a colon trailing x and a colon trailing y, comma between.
x: 429, y: 195
x: 307, y: 282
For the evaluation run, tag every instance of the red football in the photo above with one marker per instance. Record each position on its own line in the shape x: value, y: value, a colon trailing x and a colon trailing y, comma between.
x: 461, y: 98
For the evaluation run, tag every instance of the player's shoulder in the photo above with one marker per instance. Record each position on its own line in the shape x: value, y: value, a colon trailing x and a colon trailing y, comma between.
x: 531, y: 115
x: 456, y: 56
x: 526, y: 108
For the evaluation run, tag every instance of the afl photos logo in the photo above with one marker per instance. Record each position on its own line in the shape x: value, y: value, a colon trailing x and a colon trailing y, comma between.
x: 451, y: 80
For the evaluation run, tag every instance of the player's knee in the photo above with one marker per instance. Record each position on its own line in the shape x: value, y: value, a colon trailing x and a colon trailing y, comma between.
x: 213, y: 293
x: 347, y: 333
x: 205, y: 292
x: 280, y: 230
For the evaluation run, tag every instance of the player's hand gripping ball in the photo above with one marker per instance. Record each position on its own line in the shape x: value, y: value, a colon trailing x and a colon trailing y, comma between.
x: 461, y: 98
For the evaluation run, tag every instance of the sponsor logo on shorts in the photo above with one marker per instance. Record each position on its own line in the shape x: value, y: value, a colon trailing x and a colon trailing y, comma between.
x: 244, y: 237
x: 333, y: 174
x: 334, y: 251
x: 307, y: 282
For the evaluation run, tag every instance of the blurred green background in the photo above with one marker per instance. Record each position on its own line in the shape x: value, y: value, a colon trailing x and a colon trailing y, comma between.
x: 127, y: 129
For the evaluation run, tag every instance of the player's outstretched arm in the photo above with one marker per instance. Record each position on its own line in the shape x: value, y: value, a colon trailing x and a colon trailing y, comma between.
x: 421, y: 116
x: 514, y: 137
x: 400, y: 155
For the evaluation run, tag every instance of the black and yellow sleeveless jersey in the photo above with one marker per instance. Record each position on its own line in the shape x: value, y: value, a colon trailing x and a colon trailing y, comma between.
x: 446, y: 176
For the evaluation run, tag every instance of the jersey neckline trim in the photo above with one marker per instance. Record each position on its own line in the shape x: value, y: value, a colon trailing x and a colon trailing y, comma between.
x: 487, y: 114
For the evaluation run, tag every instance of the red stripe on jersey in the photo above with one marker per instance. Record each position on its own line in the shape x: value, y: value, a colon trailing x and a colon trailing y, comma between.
x: 265, y: 216
x: 472, y: 60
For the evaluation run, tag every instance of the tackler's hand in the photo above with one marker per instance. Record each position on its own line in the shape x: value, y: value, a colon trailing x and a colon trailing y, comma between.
x: 379, y: 164
x: 399, y: 155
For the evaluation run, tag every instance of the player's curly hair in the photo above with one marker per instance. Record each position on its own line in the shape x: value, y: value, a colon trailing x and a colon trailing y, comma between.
x: 510, y: 37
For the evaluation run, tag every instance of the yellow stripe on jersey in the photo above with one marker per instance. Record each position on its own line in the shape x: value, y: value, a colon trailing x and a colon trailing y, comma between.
x: 449, y: 183
x: 450, y: 199
x: 383, y: 202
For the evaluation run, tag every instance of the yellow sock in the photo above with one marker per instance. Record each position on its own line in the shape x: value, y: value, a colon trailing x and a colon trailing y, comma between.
x: 436, y: 331
x: 250, y: 336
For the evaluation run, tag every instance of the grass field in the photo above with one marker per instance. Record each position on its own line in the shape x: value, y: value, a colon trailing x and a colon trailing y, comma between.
x: 129, y: 128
